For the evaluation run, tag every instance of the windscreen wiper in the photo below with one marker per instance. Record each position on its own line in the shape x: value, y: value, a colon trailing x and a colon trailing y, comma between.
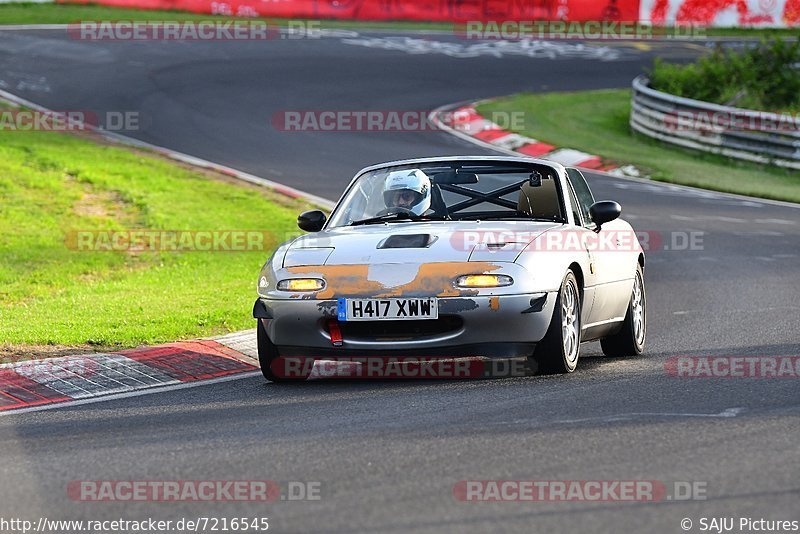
x: 398, y: 217
x: 487, y: 217
x: 384, y: 218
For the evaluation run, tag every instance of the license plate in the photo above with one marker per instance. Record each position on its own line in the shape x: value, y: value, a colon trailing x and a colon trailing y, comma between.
x: 387, y: 309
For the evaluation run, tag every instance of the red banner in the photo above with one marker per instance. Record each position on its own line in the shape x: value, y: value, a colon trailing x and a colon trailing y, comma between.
x: 432, y: 10
x: 732, y: 13
x: 729, y: 13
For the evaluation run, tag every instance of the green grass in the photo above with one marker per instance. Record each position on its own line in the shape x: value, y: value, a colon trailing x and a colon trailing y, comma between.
x: 51, y: 294
x: 597, y: 122
x: 67, y: 13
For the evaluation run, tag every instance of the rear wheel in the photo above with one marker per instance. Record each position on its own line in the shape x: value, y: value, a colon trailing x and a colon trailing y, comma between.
x: 276, y: 368
x: 559, y: 350
x: 629, y: 341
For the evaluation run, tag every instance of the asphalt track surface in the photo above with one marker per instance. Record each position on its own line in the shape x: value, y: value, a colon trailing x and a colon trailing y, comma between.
x: 387, y: 454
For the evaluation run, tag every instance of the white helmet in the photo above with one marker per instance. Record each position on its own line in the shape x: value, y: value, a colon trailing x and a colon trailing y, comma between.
x: 409, y: 189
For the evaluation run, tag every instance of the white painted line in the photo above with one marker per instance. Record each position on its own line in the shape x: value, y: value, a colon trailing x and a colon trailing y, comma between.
x: 21, y: 27
x: 726, y: 219
x: 760, y: 233
x: 775, y: 221
x: 709, y: 218
x: 729, y: 412
x: 137, y: 393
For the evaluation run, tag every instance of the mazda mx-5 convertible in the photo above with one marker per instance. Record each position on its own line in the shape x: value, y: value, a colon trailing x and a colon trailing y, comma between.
x: 489, y: 257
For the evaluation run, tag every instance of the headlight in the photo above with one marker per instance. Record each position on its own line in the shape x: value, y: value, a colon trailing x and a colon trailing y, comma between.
x: 484, y: 280
x: 301, y: 284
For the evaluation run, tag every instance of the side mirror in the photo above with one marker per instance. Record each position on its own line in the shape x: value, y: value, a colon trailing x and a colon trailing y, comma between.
x: 311, y: 221
x: 604, y: 211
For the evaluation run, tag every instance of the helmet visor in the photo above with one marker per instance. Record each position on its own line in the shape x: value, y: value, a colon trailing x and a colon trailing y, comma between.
x: 402, y: 198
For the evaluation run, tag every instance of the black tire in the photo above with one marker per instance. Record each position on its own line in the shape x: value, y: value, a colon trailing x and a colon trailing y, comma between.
x: 550, y: 355
x: 271, y: 361
x: 629, y: 341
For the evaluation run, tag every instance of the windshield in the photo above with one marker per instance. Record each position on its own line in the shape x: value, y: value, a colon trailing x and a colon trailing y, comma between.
x: 452, y: 191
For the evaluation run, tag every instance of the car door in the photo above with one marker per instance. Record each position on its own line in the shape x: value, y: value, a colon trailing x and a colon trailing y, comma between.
x: 607, y: 261
x: 585, y: 235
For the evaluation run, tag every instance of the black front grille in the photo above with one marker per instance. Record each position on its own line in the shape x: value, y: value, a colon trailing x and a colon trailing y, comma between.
x: 400, y: 330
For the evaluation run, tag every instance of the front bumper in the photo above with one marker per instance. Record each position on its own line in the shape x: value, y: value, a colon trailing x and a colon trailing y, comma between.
x: 489, y: 326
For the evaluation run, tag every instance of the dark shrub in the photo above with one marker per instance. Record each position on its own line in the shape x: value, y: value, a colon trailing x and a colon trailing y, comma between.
x: 765, y: 76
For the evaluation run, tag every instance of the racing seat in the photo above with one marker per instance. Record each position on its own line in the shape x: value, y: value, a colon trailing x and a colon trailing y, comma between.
x: 540, y: 202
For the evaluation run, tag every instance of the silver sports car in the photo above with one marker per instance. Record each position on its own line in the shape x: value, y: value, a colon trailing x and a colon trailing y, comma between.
x: 498, y: 257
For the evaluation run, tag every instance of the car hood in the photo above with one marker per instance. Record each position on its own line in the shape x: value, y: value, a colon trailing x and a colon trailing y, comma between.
x: 415, y: 242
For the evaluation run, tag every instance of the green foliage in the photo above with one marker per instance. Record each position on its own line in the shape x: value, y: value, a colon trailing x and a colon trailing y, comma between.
x: 765, y: 76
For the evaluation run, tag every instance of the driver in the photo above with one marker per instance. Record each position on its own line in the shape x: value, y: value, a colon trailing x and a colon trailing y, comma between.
x: 409, y: 190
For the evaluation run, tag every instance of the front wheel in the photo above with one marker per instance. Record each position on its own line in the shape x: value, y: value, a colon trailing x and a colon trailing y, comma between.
x: 276, y: 368
x: 629, y: 341
x: 559, y: 350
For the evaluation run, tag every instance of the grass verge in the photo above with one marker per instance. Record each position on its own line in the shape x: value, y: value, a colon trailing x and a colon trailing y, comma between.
x: 35, y: 13
x: 597, y: 122
x: 55, y: 184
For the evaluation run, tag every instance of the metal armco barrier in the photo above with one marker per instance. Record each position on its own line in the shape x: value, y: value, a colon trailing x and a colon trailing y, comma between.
x: 757, y: 136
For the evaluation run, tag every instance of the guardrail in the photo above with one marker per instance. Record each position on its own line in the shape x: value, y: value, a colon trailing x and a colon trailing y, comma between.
x: 757, y: 136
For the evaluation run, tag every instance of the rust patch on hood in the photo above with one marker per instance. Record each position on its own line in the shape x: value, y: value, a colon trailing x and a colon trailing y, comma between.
x: 376, y: 281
